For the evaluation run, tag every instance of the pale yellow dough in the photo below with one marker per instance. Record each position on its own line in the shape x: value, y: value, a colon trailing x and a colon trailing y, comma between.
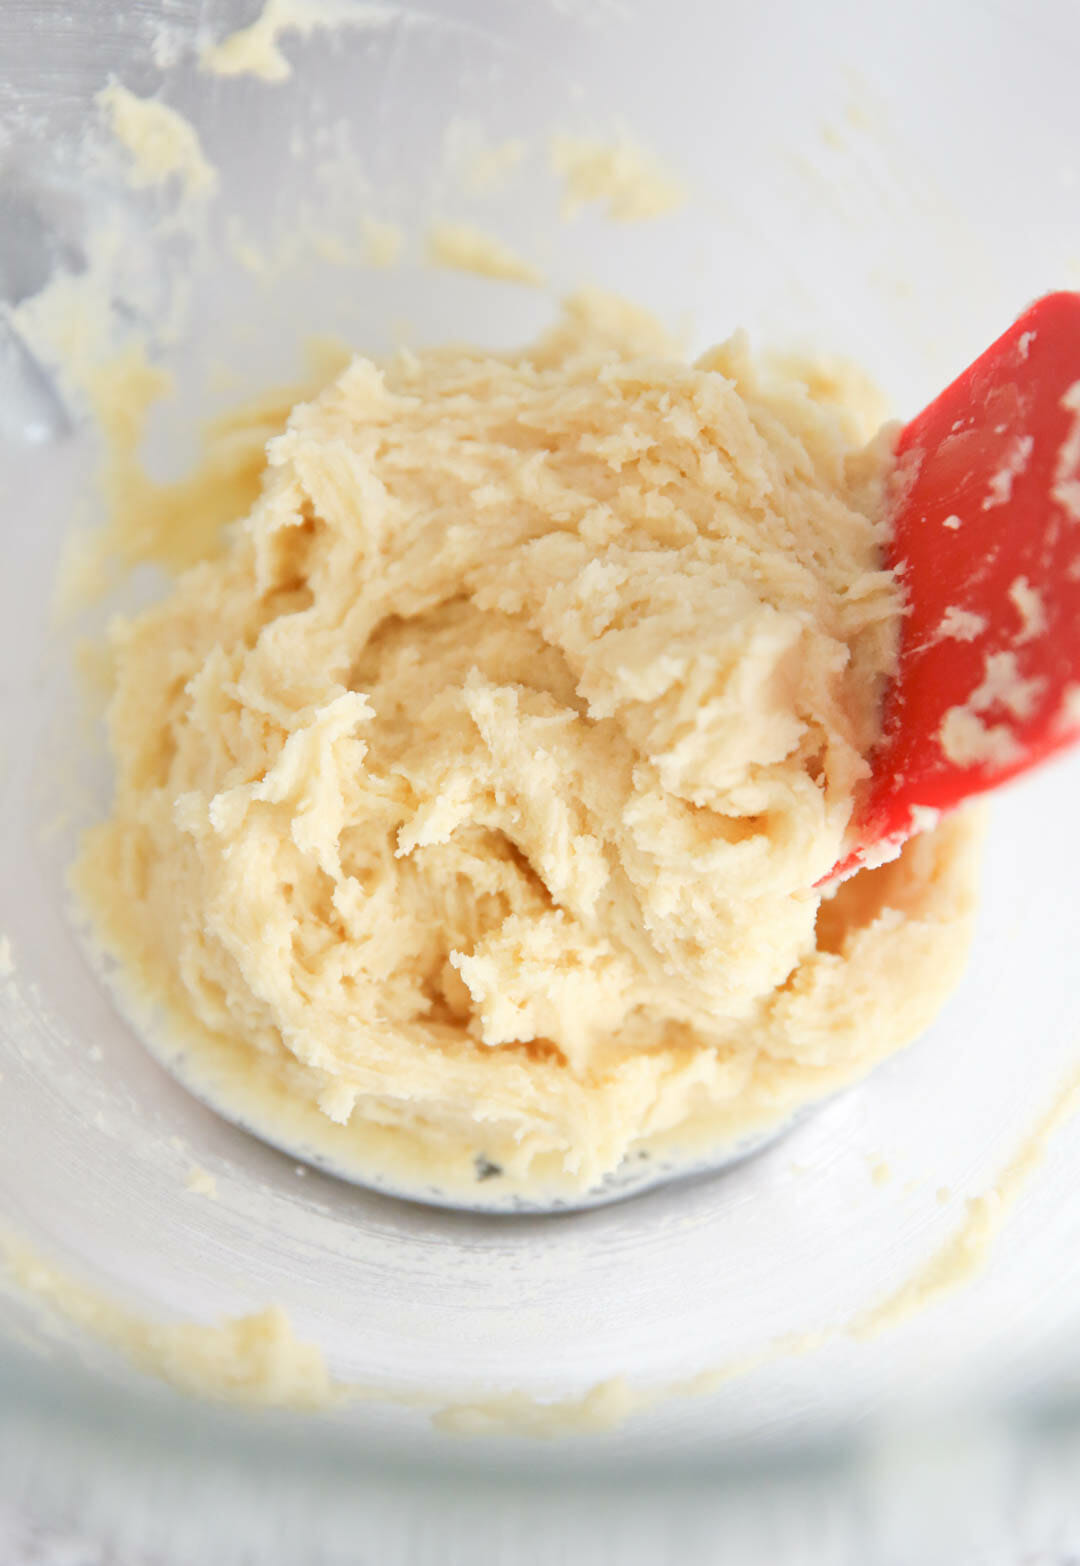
x: 480, y: 787
x: 159, y: 141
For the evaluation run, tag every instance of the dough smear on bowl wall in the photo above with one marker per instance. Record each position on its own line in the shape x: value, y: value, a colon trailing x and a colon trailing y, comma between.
x: 473, y: 798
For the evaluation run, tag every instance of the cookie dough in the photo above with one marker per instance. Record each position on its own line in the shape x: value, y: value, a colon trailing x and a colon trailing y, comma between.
x: 478, y: 795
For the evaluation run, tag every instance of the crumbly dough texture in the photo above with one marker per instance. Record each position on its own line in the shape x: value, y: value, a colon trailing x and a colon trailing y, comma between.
x: 480, y: 788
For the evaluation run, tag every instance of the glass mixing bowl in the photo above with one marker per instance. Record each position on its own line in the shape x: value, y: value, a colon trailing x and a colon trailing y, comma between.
x: 887, y: 183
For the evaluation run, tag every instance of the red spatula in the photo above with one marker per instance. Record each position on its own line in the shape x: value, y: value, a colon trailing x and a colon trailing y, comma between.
x: 986, y: 541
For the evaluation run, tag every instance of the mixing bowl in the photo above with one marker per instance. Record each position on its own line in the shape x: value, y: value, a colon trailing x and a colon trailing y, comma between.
x: 886, y: 183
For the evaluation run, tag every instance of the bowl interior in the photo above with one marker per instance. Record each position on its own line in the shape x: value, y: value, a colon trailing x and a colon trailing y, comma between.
x: 849, y: 190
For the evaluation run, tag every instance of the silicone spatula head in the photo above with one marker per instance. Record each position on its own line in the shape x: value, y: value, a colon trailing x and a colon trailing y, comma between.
x: 985, y: 539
